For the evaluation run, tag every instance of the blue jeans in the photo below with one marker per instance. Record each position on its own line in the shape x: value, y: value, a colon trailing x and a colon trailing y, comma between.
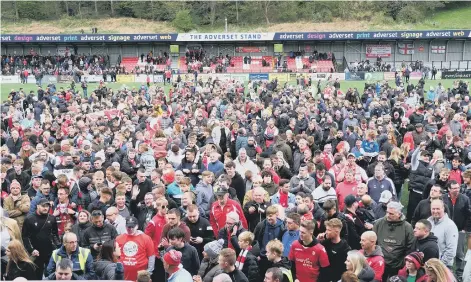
x: 85, y: 93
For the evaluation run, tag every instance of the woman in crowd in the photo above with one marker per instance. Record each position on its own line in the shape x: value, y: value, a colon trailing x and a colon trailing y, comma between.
x: 107, y: 266
x: 414, y: 271
x: 82, y: 224
x: 357, y: 263
x: 19, y: 263
x: 437, y: 271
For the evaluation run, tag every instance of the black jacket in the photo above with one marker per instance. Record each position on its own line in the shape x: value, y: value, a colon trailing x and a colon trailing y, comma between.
x: 250, y: 268
x: 40, y: 233
x: 202, y: 229
x: 22, y: 269
x: 260, y: 213
x: 79, y: 230
x: 143, y: 213
x: 13, y: 146
x: 190, y: 259
x: 237, y: 276
x: 355, y: 227
x: 460, y: 212
x: 337, y: 254
x: 144, y: 188
x: 324, y: 218
x: 237, y: 182
x: 98, y: 235
x: 428, y: 246
x: 128, y: 168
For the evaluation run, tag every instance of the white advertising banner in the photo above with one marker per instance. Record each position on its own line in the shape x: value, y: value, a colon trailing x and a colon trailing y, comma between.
x: 380, y: 50
x: 252, y: 36
x: 10, y: 79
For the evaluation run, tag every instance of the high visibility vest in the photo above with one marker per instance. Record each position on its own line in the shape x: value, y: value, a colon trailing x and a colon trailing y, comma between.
x: 82, y: 256
x: 287, y: 272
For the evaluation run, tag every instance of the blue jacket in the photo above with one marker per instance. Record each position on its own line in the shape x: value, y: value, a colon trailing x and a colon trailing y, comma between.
x: 216, y: 167
x: 35, y: 201
x: 88, y: 273
x: 288, y: 239
x: 241, y: 142
x: 275, y: 199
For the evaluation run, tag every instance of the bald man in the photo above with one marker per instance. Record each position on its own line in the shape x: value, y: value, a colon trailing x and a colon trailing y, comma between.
x: 114, y: 218
x: 373, y: 253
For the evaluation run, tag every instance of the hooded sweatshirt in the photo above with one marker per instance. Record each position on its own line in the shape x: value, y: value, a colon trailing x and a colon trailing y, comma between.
x: 265, y: 232
x: 366, y: 274
x: 428, y: 246
x: 376, y: 262
x: 148, y: 161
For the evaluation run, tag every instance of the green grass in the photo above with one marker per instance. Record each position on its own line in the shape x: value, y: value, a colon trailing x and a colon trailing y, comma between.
x: 344, y: 85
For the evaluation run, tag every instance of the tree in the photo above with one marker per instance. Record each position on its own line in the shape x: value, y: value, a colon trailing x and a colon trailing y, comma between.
x: 112, y: 8
x: 183, y: 21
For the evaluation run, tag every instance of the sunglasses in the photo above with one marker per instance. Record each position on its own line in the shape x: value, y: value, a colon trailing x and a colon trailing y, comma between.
x: 164, y: 207
x: 97, y: 213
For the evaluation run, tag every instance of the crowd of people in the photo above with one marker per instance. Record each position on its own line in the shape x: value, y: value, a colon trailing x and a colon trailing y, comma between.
x: 54, y: 64
x: 226, y: 181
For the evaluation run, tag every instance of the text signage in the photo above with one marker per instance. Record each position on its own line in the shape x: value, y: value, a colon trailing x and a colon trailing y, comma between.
x: 58, y: 38
x: 287, y: 36
x: 375, y: 51
x: 456, y: 74
x: 253, y: 36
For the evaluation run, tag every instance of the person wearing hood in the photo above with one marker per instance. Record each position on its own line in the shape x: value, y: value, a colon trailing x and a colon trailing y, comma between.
x: 137, y: 250
x: 247, y: 261
x: 414, y: 268
x: 87, y: 193
x: 373, y: 254
x: 83, y: 222
x: 268, y: 229
x: 395, y: 234
x: 81, y: 258
x: 209, y: 267
x: 100, y: 232
x: 307, y: 248
x: 107, y: 266
x: 357, y: 264
x: 446, y: 231
x: 275, y: 251
x: 336, y: 248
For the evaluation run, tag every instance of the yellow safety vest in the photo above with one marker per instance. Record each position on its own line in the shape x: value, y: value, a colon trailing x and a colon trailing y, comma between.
x: 287, y: 272
x: 82, y: 256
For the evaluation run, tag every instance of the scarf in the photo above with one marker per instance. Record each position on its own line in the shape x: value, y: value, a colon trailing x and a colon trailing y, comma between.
x: 241, y: 258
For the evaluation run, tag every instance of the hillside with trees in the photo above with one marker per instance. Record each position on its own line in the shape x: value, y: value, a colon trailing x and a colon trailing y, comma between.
x: 204, y: 16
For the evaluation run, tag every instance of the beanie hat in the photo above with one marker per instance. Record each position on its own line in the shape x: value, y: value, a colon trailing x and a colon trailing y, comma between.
x: 173, y: 257
x: 84, y: 182
x: 417, y: 258
x: 214, y: 248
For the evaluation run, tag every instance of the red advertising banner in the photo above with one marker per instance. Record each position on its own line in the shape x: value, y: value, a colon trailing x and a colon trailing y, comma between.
x: 373, y: 51
x: 251, y: 49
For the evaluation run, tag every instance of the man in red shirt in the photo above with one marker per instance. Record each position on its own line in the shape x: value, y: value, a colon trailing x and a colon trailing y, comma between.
x: 307, y: 255
x: 221, y: 207
x: 137, y: 250
x: 154, y: 230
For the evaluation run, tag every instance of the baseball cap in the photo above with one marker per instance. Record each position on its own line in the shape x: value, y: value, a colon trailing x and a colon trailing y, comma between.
x: 385, y: 197
x: 221, y: 192
x: 43, y: 202
x: 349, y: 200
x: 351, y: 155
x: 131, y: 222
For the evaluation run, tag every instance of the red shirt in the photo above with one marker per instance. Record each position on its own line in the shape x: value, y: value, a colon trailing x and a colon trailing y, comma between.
x: 308, y: 260
x: 343, y: 190
x: 135, y: 253
x: 283, y: 199
x: 217, y: 216
x: 154, y: 230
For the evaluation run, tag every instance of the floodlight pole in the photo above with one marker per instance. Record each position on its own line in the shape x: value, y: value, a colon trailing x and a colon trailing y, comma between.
x: 225, y: 21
